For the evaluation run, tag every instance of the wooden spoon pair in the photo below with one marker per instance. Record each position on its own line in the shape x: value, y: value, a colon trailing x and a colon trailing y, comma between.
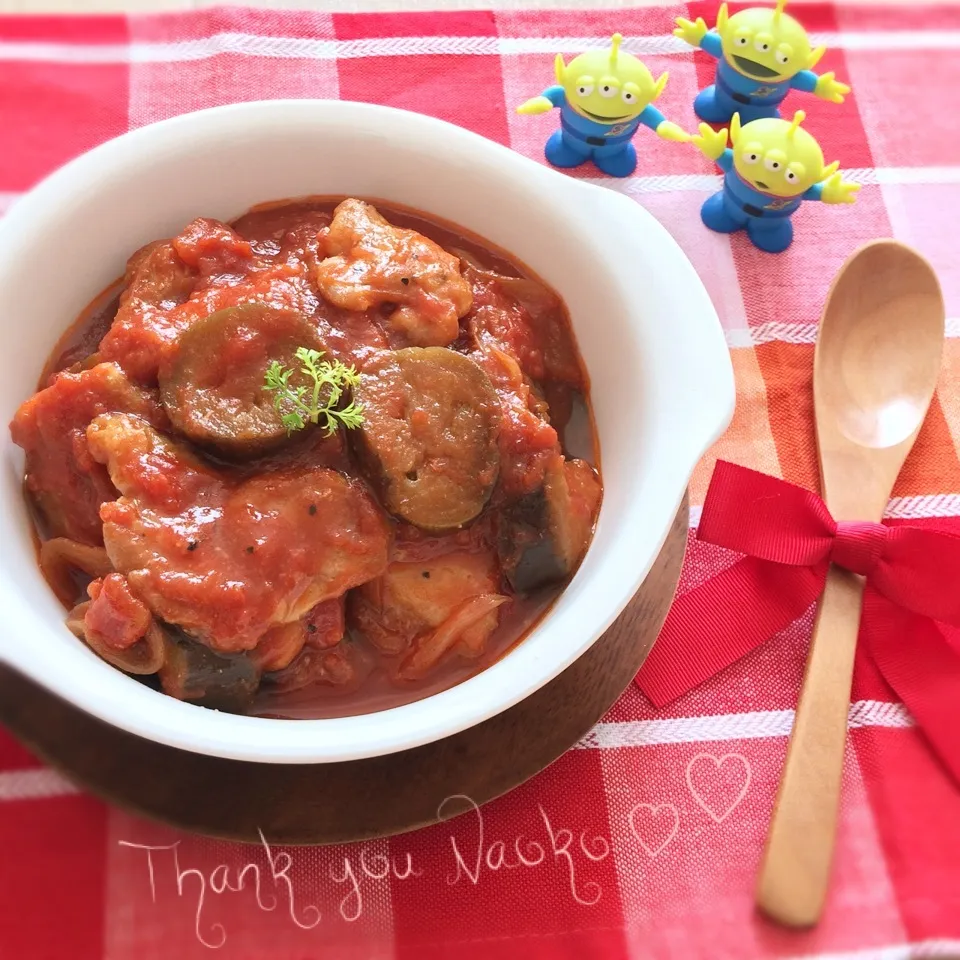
x: 875, y: 369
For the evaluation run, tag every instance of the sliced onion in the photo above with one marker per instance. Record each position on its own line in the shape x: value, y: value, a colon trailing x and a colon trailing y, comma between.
x: 528, y: 293
x: 145, y: 656
x: 434, y: 645
x: 278, y: 647
x: 61, y: 556
x: 75, y: 620
x: 474, y: 264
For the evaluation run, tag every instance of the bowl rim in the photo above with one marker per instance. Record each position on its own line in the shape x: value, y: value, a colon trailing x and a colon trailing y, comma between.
x: 182, y: 725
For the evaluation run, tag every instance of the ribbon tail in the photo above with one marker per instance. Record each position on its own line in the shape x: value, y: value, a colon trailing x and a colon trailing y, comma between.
x: 922, y: 665
x: 725, y: 618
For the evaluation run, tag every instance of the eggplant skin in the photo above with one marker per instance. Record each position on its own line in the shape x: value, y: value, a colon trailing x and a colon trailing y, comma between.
x: 527, y: 550
x: 542, y: 537
x: 193, y: 672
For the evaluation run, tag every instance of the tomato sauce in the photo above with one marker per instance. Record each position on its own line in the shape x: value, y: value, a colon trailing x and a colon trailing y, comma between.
x: 217, y: 540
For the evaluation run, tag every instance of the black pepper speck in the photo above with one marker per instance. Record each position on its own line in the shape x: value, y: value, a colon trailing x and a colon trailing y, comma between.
x: 313, y: 509
x: 192, y: 545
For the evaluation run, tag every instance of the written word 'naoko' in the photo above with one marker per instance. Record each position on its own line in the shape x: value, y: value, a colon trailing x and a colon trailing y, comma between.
x: 473, y: 858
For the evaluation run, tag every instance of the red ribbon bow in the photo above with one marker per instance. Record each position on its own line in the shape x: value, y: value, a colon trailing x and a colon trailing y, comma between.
x: 911, y: 604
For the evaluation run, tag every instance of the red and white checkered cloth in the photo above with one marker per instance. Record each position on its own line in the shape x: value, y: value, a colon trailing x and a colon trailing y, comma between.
x: 644, y: 841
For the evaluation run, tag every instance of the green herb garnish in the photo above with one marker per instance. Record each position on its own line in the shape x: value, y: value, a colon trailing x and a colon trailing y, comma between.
x: 299, y: 406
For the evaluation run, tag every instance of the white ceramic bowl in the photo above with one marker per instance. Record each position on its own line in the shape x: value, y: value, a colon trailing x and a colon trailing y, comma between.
x: 662, y: 385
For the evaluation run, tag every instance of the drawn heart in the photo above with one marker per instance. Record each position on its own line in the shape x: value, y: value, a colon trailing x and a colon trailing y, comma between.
x: 715, y: 767
x: 655, y: 809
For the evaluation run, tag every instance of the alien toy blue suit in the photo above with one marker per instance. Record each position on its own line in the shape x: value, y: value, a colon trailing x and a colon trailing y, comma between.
x: 608, y: 144
x: 739, y: 205
x: 735, y: 93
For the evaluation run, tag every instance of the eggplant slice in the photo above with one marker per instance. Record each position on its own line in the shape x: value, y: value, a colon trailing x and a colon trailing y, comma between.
x: 213, y: 387
x: 193, y: 672
x: 429, y: 434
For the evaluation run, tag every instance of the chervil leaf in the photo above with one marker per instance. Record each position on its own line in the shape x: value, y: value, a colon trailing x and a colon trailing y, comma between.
x: 301, y: 405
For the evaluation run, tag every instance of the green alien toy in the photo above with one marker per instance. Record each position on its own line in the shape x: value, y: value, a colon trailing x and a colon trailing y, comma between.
x: 773, y: 166
x: 762, y: 55
x: 603, y: 96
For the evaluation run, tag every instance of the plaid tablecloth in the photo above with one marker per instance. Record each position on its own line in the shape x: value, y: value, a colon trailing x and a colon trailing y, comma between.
x: 643, y: 841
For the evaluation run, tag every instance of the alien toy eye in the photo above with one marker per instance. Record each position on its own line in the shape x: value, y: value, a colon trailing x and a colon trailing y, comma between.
x: 772, y: 165
x: 741, y: 41
x: 608, y: 90
x: 781, y: 58
x: 627, y: 97
x: 761, y: 46
x: 585, y: 89
x: 791, y: 176
x: 751, y: 157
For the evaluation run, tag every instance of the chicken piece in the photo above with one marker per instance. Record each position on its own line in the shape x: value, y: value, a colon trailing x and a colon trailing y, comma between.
x: 212, y: 248
x: 279, y: 646
x: 63, y: 480
x: 163, y: 280
x: 371, y: 262
x: 157, y: 282
x: 226, y: 560
x: 429, y: 608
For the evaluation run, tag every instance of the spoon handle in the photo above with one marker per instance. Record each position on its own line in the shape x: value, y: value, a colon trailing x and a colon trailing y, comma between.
x: 796, y: 864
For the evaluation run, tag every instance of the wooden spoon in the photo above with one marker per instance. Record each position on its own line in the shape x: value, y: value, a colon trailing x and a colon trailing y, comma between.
x: 875, y: 369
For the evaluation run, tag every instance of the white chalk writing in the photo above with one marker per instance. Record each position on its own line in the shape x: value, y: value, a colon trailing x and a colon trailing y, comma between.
x: 469, y: 861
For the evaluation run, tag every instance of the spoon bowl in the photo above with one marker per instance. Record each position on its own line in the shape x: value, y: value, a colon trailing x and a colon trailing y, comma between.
x: 878, y: 354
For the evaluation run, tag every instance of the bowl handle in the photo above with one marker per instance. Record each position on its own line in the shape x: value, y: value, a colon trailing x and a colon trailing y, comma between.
x: 704, y: 398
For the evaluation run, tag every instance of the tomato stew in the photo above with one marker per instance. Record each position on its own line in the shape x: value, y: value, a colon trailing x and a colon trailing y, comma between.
x: 326, y: 460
